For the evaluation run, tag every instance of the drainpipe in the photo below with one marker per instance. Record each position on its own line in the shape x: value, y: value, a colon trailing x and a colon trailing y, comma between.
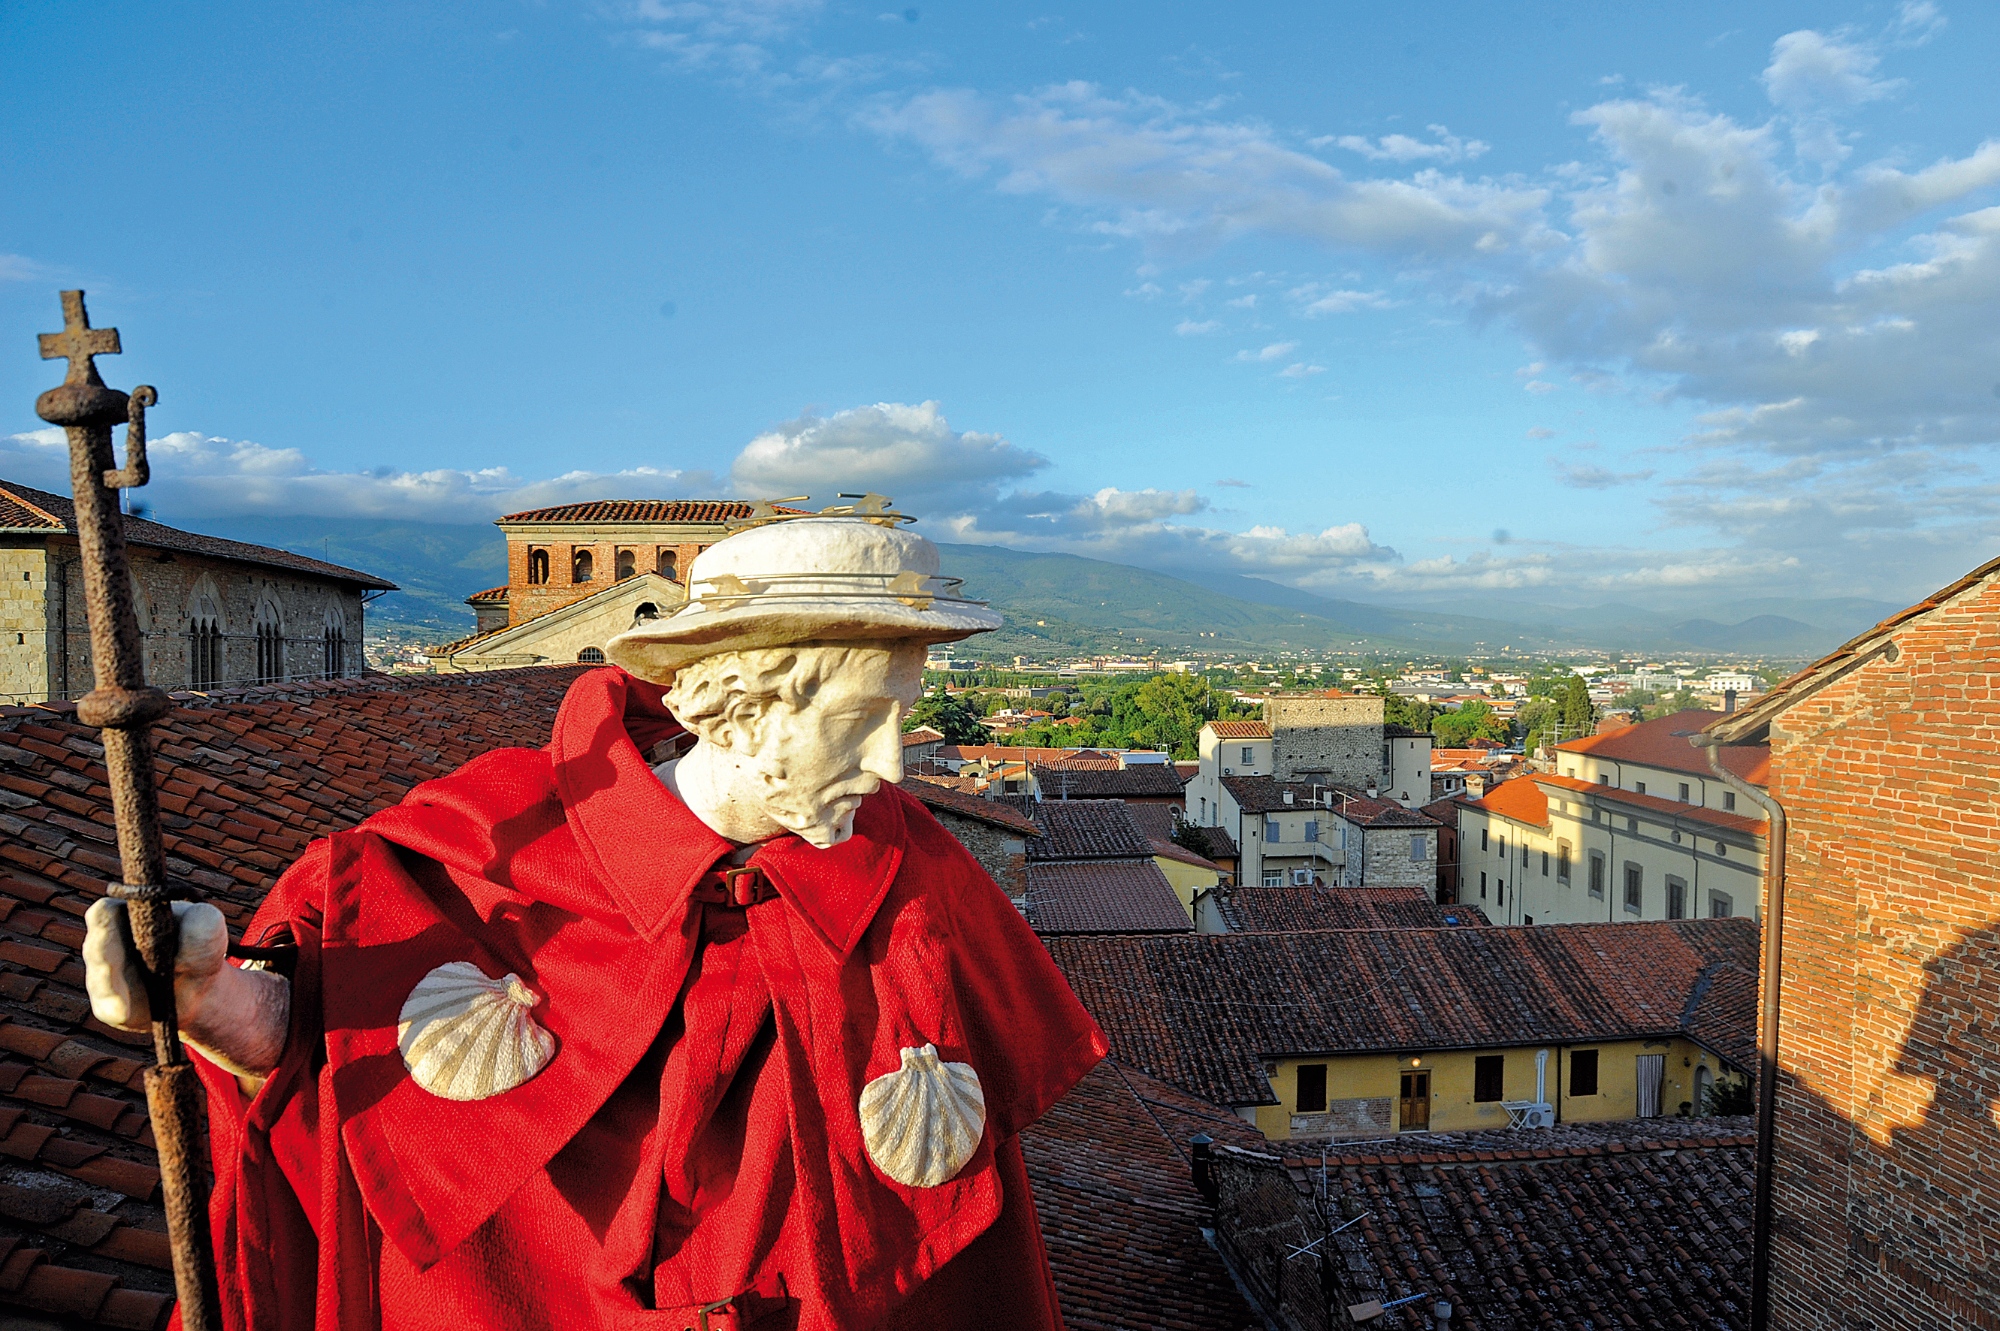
x: 1767, y: 1029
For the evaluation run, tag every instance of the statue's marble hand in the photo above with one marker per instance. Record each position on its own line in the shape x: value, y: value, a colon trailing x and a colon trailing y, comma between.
x: 238, y: 1018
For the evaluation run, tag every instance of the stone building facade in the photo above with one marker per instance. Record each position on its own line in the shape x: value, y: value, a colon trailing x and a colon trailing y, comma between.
x: 212, y: 613
x: 1330, y: 737
x: 1887, y: 1178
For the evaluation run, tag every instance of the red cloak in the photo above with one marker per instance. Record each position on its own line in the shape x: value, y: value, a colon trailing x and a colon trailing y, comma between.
x: 694, y: 1150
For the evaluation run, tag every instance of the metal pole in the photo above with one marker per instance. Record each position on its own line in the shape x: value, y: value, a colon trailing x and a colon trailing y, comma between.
x: 124, y: 707
x: 1769, y: 1026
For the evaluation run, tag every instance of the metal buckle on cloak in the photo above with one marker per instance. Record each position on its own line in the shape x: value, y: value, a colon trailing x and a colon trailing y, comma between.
x: 737, y: 888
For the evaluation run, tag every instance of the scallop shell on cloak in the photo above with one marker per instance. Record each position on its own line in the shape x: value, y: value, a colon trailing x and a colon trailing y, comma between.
x: 467, y: 1036
x: 923, y: 1121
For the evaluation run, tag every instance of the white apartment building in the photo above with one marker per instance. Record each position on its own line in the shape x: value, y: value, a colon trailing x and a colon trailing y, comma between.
x: 1631, y: 825
x: 1293, y: 823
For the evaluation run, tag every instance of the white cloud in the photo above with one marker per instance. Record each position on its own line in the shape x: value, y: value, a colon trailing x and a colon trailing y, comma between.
x: 1402, y: 148
x: 1273, y: 351
x: 1179, y: 182
x: 1315, y: 300
x: 1301, y: 370
x: 1810, y: 69
x: 1538, y: 386
x: 1190, y: 328
x: 198, y: 476
x: 20, y: 268
x: 909, y: 452
x: 1589, y: 476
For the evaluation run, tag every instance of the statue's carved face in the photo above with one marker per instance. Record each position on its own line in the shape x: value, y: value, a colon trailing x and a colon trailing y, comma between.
x: 811, y: 731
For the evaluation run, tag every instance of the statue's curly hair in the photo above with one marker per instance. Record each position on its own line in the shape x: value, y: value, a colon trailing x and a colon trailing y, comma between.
x: 712, y: 694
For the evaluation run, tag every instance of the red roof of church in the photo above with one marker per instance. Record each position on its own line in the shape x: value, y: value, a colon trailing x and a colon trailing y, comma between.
x: 645, y: 510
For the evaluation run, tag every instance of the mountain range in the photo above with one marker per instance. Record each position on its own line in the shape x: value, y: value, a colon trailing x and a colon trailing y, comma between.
x: 1062, y: 604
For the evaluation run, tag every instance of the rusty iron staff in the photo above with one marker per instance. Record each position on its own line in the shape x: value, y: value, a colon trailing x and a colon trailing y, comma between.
x: 125, y: 707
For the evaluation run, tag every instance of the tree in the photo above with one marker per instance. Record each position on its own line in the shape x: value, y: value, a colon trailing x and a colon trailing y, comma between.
x: 1579, y: 718
x: 1538, y: 716
x: 1171, y: 710
x: 1400, y: 711
x: 1475, y: 720
x: 948, y: 716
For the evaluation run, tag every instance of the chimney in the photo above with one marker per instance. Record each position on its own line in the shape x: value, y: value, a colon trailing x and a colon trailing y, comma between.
x: 1203, y: 1149
x: 1728, y: 700
x: 1288, y: 797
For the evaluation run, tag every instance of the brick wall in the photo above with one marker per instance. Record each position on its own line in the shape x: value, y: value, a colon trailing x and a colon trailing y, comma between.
x: 1888, y: 1178
x: 1337, y: 739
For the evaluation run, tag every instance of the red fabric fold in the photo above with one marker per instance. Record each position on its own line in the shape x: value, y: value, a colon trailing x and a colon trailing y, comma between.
x: 696, y: 1136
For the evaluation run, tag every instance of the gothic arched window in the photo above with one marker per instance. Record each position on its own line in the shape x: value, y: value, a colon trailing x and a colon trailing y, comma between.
x: 669, y: 565
x: 590, y: 656
x: 270, y: 644
x: 628, y: 564
x: 580, y: 566
x: 204, y: 640
x: 333, y: 647
x: 538, y: 566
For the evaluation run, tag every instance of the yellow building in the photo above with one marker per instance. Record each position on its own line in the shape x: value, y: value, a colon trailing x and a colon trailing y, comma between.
x: 1630, y: 825
x: 1344, y: 1033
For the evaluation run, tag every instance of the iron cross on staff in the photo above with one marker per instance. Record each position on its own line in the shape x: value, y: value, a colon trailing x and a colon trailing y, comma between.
x: 124, y: 707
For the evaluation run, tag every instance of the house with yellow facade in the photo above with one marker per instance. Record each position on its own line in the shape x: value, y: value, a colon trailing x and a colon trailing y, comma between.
x: 1347, y: 1033
x: 1629, y: 825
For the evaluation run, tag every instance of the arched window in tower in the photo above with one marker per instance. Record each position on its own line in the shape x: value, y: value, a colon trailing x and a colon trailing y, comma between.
x: 590, y: 656
x: 579, y: 566
x: 204, y: 640
x: 538, y: 565
x: 628, y: 564
x: 270, y: 644
x: 333, y: 647
x: 669, y: 565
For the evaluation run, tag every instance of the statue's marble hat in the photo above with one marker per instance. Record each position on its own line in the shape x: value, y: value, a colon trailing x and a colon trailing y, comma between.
x: 806, y: 579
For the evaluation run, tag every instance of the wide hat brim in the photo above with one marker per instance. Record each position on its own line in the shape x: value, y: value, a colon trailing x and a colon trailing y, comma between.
x: 655, y: 650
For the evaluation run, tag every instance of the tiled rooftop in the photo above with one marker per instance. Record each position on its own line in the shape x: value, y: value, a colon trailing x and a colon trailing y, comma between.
x: 1156, y: 822
x: 1641, y: 1224
x: 26, y: 509
x: 947, y: 794
x: 1664, y: 743
x: 1240, y: 729
x: 1213, y: 842
x: 1146, y: 780
x: 247, y: 778
x: 1122, y: 1221
x: 491, y: 596
x: 1264, y: 794
x: 1102, y: 897
x: 703, y: 511
x: 1087, y: 830
x: 1265, y: 910
x: 920, y: 736
x: 1652, y: 804
x: 1073, y: 759
x: 1203, y: 1011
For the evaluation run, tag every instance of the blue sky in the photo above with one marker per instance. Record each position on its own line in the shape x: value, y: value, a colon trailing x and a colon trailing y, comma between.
x: 1553, y: 301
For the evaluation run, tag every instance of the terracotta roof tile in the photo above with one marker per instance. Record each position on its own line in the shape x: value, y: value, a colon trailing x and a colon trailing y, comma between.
x: 248, y: 778
x: 704, y: 511
x: 1664, y: 743
x: 37, y: 508
x: 1240, y: 729
x: 1215, y: 843
x: 1633, y: 1224
x: 949, y: 798
x: 1652, y: 804
x: 1087, y: 830
x: 491, y: 596
x: 1199, y: 1011
x: 1520, y: 799
x: 1111, y: 783
x: 1121, y: 1217
x: 1261, y: 910
x: 1102, y: 897
x: 1263, y: 794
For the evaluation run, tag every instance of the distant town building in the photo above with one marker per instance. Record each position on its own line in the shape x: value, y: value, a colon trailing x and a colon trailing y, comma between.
x: 580, y: 574
x: 1887, y: 1144
x: 212, y: 613
x: 1631, y: 825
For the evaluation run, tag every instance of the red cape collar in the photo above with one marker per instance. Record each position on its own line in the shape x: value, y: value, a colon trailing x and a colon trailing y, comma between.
x: 650, y: 850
